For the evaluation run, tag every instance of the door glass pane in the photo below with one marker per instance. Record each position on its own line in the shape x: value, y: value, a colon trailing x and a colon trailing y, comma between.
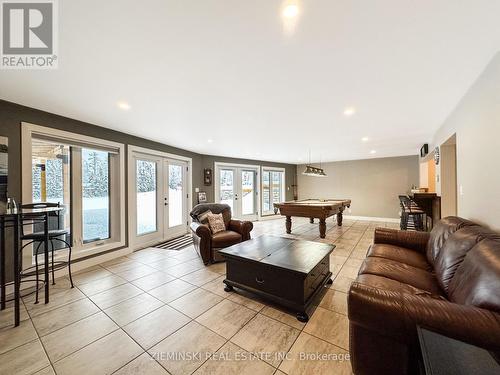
x: 266, y: 194
x: 226, y: 184
x: 51, y: 181
x: 276, y: 186
x: 175, y: 195
x: 95, y: 191
x: 248, y: 192
x: 146, y: 196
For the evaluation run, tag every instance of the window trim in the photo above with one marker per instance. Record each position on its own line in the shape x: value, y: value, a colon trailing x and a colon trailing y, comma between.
x: 117, y: 184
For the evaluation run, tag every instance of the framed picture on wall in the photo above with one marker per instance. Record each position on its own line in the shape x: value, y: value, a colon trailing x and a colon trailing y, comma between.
x: 202, y: 197
x: 207, y: 177
x: 4, y: 163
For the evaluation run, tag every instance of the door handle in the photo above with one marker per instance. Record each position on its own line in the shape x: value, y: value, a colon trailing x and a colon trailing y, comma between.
x: 260, y: 281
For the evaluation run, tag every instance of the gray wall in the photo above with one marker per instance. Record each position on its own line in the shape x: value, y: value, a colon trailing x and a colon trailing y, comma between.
x: 372, y: 184
x: 476, y: 124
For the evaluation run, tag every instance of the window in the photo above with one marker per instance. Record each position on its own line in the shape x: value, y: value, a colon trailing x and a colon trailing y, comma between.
x: 146, y: 184
x: 86, y: 176
x: 50, y: 172
x: 51, y: 176
x: 175, y: 195
x: 266, y: 192
x: 227, y: 187
x: 276, y: 186
x: 273, y: 189
x: 95, y: 195
x: 247, y: 192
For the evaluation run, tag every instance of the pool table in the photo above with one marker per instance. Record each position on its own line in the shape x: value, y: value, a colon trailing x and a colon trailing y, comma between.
x: 313, y: 209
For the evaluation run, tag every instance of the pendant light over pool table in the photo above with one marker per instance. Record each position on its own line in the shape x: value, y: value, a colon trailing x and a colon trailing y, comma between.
x: 313, y: 171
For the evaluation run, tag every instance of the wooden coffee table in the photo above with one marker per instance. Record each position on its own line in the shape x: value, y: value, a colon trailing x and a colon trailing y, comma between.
x: 289, y: 272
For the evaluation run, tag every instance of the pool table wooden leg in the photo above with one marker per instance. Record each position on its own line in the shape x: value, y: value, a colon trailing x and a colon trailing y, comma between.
x: 311, y: 220
x: 322, y: 228
x: 288, y: 224
x: 339, y: 218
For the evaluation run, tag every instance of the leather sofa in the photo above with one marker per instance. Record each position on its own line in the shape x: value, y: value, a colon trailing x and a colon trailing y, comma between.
x: 447, y: 281
x: 206, y: 243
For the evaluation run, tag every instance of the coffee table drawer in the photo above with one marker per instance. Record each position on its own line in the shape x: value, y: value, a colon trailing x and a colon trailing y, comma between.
x: 316, y: 276
x: 282, y: 283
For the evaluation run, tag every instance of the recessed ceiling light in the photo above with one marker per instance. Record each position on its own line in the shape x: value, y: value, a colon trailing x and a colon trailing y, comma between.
x: 210, y: 140
x: 365, y: 139
x: 123, y: 105
x: 373, y: 152
x: 349, y: 111
x: 291, y: 11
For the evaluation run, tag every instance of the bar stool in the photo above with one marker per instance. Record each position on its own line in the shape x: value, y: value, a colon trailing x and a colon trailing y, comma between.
x: 412, y: 217
x: 38, y: 238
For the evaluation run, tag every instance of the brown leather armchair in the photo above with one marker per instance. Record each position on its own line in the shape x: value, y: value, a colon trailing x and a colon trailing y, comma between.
x: 447, y: 281
x: 206, y: 243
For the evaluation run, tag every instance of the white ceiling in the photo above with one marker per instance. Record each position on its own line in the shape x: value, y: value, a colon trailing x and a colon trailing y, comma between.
x: 225, y: 70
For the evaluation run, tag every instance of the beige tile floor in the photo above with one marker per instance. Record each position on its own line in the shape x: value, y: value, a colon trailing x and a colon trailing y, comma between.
x: 163, y: 312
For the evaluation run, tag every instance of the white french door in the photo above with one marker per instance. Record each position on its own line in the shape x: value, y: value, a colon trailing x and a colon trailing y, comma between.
x: 237, y: 186
x: 175, y: 198
x: 159, y: 198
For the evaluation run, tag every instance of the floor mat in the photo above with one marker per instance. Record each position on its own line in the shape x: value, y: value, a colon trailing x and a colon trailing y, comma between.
x: 176, y: 243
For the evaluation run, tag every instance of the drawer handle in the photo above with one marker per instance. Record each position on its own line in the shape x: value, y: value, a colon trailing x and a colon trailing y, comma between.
x: 312, y: 275
x: 260, y: 281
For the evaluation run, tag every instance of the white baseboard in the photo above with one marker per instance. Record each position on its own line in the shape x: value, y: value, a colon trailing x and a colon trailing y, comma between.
x: 75, y: 267
x: 270, y: 217
x: 370, y: 218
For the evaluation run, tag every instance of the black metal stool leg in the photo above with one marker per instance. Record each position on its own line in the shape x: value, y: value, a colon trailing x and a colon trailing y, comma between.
x: 69, y: 265
x: 53, y: 250
x: 36, y: 272
x: 69, y: 259
x: 404, y: 225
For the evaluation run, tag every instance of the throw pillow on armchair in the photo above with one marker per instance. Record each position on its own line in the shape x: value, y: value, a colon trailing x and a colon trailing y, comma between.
x: 216, y: 223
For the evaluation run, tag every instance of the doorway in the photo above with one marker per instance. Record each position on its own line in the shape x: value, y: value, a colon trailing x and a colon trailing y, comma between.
x: 448, y: 177
x: 158, y: 197
x: 237, y: 186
